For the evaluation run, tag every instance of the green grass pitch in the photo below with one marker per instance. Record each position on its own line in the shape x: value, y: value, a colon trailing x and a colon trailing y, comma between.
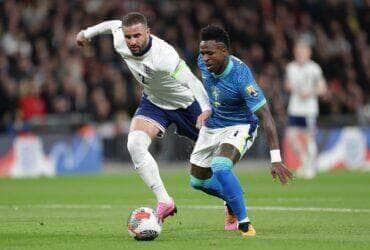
x: 90, y: 212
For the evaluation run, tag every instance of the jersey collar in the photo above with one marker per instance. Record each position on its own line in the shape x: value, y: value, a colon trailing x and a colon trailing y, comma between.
x: 227, y: 69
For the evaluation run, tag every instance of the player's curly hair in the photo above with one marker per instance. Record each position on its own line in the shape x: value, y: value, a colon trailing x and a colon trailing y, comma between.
x: 217, y: 33
x: 133, y: 18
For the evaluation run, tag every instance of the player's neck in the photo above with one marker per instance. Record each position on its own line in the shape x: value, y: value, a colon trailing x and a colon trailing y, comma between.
x: 223, y: 66
x: 302, y: 62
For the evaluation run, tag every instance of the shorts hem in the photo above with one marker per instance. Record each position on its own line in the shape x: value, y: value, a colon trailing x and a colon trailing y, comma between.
x: 154, y: 122
x: 197, y: 163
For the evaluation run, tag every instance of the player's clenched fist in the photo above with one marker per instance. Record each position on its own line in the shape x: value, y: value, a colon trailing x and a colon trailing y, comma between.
x: 81, y: 39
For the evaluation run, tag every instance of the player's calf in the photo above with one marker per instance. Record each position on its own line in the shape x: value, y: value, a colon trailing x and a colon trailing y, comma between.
x: 209, y: 186
x: 233, y: 192
x: 137, y: 144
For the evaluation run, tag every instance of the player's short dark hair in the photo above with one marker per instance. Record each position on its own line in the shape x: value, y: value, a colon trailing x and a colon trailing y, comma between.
x: 133, y: 18
x: 216, y: 33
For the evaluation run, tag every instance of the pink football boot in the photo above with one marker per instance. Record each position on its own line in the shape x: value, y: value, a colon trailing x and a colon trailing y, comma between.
x: 166, y: 209
x: 231, y: 222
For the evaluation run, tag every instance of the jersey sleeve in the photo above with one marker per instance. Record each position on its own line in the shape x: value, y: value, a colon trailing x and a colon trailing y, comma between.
x: 318, y: 73
x: 289, y: 74
x: 107, y: 27
x: 184, y: 75
x: 250, y: 90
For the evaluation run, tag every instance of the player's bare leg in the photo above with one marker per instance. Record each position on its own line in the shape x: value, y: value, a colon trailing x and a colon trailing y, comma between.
x: 302, y: 147
x: 141, y: 134
x: 306, y: 144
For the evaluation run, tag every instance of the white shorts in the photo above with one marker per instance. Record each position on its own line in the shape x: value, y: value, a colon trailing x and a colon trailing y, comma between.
x: 210, y: 139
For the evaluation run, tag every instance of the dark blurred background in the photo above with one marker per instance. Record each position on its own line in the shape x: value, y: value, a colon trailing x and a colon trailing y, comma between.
x: 49, y: 85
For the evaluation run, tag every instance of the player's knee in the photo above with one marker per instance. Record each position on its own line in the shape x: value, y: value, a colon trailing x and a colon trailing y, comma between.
x: 220, y: 163
x: 137, y: 145
x: 195, y: 182
x: 200, y: 172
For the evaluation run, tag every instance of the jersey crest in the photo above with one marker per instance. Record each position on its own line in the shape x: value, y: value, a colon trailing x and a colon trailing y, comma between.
x: 148, y: 70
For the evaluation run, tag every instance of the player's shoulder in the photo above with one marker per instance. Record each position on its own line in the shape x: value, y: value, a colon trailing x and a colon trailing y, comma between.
x: 291, y: 64
x: 238, y: 65
x: 201, y: 62
x: 164, y: 55
x: 314, y: 65
x: 200, y: 59
x: 162, y: 47
x: 294, y: 66
x: 241, y: 70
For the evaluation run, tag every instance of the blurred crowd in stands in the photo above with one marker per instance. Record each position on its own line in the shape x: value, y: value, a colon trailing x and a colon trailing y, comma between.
x: 42, y: 71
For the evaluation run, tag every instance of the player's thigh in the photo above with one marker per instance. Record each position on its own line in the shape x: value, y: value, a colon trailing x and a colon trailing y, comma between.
x: 229, y: 151
x: 150, y: 119
x: 146, y: 126
x: 311, y: 125
x: 204, y: 148
x: 236, y: 140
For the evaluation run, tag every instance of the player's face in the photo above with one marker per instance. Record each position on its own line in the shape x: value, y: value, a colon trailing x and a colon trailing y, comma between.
x: 302, y: 53
x: 214, y: 55
x: 137, y: 37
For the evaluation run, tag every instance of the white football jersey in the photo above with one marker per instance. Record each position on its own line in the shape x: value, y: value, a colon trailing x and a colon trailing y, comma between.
x: 303, y: 78
x: 153, y: 69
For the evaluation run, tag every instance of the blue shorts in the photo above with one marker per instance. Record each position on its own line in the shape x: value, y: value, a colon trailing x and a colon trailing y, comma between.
x: 184, y: 118
x: 297, y: 121
x: 302, y: 121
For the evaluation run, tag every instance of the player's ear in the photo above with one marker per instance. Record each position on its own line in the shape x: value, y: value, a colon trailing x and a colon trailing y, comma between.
x: 225, y: 51
x: 148, y: 30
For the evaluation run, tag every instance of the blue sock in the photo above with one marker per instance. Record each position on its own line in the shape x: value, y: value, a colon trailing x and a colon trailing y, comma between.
x: 210, y: 186
x: 232, y: 190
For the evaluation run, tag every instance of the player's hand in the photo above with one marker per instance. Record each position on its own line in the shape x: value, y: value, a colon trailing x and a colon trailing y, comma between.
x: 81, y: 39
x: 202, y: 118
x: 279, y: 170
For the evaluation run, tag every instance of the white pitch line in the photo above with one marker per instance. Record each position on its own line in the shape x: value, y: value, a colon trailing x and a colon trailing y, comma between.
x: 281, y: 208
x: 196, y: 207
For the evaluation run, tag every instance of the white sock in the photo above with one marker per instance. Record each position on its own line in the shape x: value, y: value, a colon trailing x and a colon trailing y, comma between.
x: 311, y: 152
x: 244, y: 220
x: 145, y: 165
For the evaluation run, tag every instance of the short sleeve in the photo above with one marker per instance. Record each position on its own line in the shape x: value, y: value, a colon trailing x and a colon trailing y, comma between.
x: 289, y: 73
x: 318, y: 73
x: 250, y: 90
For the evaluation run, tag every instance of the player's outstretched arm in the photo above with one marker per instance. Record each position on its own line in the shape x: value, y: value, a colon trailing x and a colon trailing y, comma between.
x: 108, y: 27
x: 278, y: 169
x: 183, y: 74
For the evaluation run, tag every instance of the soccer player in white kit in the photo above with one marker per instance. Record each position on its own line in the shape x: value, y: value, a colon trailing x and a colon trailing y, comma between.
x: 172, y: 94
x: 305, y: 82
